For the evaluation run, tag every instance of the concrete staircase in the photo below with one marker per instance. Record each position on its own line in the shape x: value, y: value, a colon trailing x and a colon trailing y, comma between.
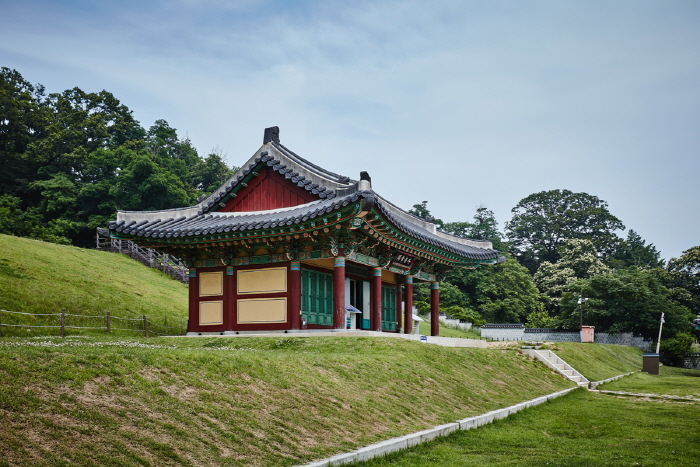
x: 551, y: 359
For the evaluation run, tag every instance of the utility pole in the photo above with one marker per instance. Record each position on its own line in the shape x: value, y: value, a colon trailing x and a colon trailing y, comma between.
x: 658, y: 342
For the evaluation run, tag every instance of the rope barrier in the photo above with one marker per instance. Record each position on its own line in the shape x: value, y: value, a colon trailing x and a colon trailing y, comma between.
x: 33, y: 314
x: 33, y: 326
x: 147, y: 323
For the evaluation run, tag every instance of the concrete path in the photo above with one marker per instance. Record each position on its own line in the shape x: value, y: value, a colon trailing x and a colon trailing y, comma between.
x: 404, y: 442
x: 407, y: 441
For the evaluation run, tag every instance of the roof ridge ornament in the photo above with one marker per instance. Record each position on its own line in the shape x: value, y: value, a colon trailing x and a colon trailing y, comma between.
x: 365, y: 183
x: 272, y: 134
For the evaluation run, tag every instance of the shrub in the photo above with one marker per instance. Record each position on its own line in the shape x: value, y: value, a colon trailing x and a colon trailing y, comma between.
x: 673, y: 350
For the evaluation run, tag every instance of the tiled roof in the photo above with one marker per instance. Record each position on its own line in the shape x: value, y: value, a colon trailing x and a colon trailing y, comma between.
x: 204, y: 224
x: 304, y: 174
x: 334, y: 192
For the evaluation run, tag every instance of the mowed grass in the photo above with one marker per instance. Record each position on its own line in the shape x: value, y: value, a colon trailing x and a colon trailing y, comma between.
x: 240, y: 401
x: 38, y: 277
x: 446, y: 331
x: 597, y: 361
x: 670, y: 381
x: 579, y: 429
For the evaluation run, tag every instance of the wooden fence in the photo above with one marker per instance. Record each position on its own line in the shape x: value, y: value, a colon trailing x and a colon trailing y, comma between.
x: 18, y: 323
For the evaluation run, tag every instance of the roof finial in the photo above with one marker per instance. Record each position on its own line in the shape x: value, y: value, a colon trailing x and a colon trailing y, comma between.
x: 271, y: 134
x: 365, y: 183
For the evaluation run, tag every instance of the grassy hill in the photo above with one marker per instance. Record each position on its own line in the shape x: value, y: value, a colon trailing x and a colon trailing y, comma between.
x: 38, y: 277
x: 235, y: 401
x: 597, y: 361
x: 225, y: 401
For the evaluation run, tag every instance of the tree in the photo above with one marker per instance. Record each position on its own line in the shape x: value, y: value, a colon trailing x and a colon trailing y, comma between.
x: 484, y: 227
x: 421, y: 210
x: 450, y: 295
x: 684, y: 273
x: 544, y: 221
x: 626, y: 300
x: 144, y: 186
x: 23, y: 120
x: 579, y: 260
x: 211, y: 173
x: 634, y: 252
x: 501, y: 293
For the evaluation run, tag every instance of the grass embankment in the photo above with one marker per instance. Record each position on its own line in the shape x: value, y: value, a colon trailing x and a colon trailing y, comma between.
x: 447, y: 331
x: 670, y: 381
x: 240, y: 401
x: 583, y: 428
x: 38, y: 277
x: 598, y: 362
x: 579, y: 429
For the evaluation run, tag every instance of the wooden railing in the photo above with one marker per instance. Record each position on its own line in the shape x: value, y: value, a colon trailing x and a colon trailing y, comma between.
x: 169, y: 264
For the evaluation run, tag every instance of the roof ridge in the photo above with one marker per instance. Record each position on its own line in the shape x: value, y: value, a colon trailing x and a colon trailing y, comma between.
x: 304, y: 162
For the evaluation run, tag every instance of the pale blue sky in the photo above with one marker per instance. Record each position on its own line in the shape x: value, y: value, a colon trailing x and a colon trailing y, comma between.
x: 461, y: 103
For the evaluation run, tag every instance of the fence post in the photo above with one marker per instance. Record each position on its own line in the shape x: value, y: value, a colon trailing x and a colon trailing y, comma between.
x: 0, y: 323
x: 145, y: 324
x: 109, y: 327
x: 63, y: 322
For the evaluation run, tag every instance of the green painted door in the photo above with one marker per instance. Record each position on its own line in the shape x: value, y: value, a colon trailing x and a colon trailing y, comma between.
x: 317, y: 297
x: 388, y: 308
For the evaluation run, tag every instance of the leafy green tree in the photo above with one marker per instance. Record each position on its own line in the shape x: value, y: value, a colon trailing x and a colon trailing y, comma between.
x: 421, y: 210
x: 634, y: 251
x: 672, y: 350
x: 144, y: 185
x: 23, y: 121
x: 14, y: 220
x: 467, y: 315
x: 500, y: 293
x: 579, y: 260
x: 629, y: 300
x: 211, y: 173
x: 541, y: 319
x: 450, y: 295
x: 544, y: 221
x: 684, y: 273
x: 484, y: 227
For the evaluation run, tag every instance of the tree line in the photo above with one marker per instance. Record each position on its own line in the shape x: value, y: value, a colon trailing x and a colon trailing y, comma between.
x: 565, y: 264
x: 70, y: 160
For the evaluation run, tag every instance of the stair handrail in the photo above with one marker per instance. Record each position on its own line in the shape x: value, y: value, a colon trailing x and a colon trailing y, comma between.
x: 169, y: 264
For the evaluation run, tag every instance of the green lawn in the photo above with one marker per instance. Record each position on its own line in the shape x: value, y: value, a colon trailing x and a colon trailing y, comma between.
x: 240, y: 401
x: 597, y: 361
x: 579, y: 429
x: 38, y: 277
x: 670, y: 380
x: 446, y: 331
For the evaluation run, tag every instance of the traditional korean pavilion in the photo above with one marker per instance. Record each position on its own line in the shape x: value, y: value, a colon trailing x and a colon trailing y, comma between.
x: 286, y: 245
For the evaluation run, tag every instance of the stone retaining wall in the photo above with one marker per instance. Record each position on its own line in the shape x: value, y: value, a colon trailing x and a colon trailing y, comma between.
x: 692, y: 361
x: 512, y: 333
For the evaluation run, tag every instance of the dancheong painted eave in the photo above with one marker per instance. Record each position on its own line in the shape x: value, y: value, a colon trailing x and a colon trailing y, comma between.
x: 342, y: 210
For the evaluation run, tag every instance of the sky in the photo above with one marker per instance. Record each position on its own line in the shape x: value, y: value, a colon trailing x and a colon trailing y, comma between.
x: 459, y: 103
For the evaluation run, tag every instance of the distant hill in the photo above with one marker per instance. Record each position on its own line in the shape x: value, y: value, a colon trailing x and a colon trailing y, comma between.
x: 39, y: 277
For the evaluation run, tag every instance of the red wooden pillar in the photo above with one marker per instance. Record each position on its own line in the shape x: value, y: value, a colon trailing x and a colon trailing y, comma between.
x: 435, y: 308
x: 376, y: 301
x: 294, y: 308
x: 339, y: 293
x: 193, y: 321
x: 229, y: 299
x: 408, y: 310
x: 399, y: 302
